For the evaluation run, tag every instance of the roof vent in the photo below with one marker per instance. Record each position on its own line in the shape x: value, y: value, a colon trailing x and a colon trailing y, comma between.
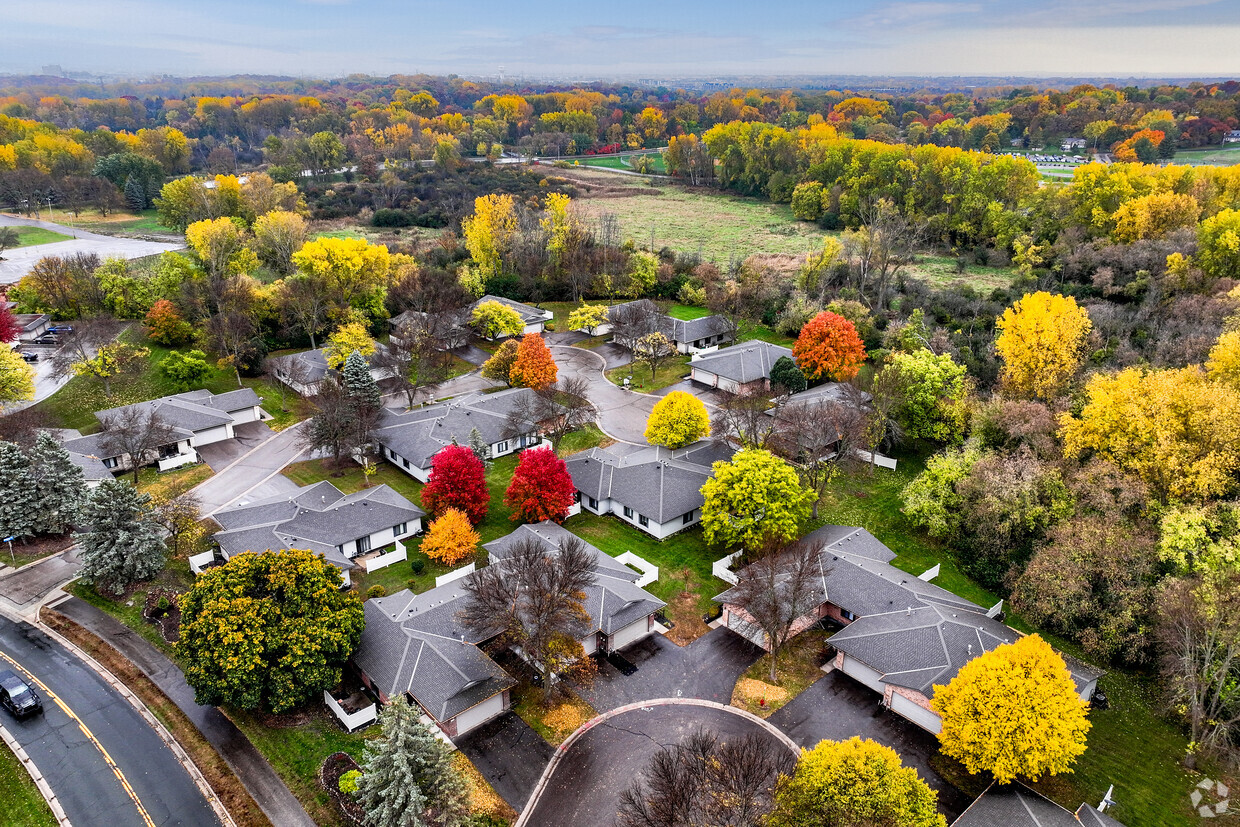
x: 970, y: 650
x: 909, y: 611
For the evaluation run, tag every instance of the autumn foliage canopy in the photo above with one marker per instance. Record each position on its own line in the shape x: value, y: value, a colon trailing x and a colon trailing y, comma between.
x: 450, y: 538
x: 829, y: 348
x: 534, y: 366
x: 541, y: 488
x: 457, y: 480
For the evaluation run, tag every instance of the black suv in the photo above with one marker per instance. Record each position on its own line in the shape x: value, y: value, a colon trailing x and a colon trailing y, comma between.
x: 17, y: 697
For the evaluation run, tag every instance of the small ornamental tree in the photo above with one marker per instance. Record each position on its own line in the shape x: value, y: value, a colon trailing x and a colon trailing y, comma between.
x: 541, y: 487
x: 499, y: 367
x: 678, y: 419
x: 457, y: 481
x: 754, y: 499
x: 534, y: 366
x: 829, y: 348
x: 933, y: 390
x: 1013, y: 712
x: 588, y: 317
x: 494, y: 319
x: 186, y: 369
x: 16, y: 377
x: 267, y: 631
x: 787, y: 376
x: 854, y: 782
x: 346, y: 339
x: 450, y: 538
x: 121, y: 543
x: 165, y: 326
x: 18, y: 500
x: 110, y: 361
x: 407, y: 775
x: 59, y: 485
x: 9, y: 328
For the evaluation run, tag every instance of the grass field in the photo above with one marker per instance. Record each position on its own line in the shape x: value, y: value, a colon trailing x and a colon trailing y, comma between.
x: 21, y: 804
x: 640, y: 379
x: 940, y: 271
x: 623, y: 162
x: 114, y: 223
x: 687, y: 313
x: 1213, y: 156
x: 73, y: 406
x: 30, y: 236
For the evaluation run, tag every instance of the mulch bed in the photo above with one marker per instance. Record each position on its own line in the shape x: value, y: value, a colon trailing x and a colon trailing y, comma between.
x: 168, y: 620
x: 334, y: 766
x: 34, y: 548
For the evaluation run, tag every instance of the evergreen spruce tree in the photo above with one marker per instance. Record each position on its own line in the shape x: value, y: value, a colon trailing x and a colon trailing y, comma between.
x: 60, y: 486
x: 18, y: 501
x: 480, y: 448
x: 359, y: 384
x: 407, y: 775
x: 121, y: 543
x: 135, y: 195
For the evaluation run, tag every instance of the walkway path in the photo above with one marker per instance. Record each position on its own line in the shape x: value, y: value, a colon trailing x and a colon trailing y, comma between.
x: 20, y: 261
x: 104, y: 763
x: 271, y: 794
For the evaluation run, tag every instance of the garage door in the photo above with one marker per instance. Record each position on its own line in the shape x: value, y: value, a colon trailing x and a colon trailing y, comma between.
x: 630, y: 634
x: 245, y: 415
x: 209, y: 435
x: 480, y: 714
x: 863, y: 673
x: 919, y: 715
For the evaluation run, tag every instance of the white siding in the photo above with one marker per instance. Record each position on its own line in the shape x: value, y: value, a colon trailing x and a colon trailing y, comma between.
x: 919, y: 715
x: 863, y: 673
x: 590, y: 643
x: 630, y: 634
x: 209, y: 435
x: 729, y: 385
x: 480, y: 714
x: 246, y: 415
x: 533, y: 327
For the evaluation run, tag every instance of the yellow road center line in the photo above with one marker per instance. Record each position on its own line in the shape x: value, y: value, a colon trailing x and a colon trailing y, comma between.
x: 120, y: 776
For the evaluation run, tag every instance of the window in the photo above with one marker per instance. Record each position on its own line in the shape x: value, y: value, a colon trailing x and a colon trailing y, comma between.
x: 501, y: 447
x: 642, y: 521
x: 847, y: 615
x: 686, y: 519
x: 593, y: 504
x: 363, y: 544
x: 628, y: 512
x: 400, y: 528
x: 110, y: 462
x: 166, y: 451
x: 405, y: 462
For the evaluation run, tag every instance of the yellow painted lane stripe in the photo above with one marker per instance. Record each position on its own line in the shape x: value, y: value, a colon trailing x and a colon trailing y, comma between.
x: 120, y: 776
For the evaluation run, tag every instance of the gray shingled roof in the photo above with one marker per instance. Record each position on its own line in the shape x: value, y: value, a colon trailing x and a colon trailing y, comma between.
x: 677, y: 330
x: 313, y: 364
x: 528, y: 313
x: 655, y: 482
x: 1014, y: 805
x: 192, y: 411
x: 419, y: 434
x: 746, y: 362
x: 1089, y: 816
x: 318, y: 517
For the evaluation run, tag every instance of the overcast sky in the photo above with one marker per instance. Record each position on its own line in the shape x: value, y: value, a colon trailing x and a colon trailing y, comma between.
x: 641, y: 38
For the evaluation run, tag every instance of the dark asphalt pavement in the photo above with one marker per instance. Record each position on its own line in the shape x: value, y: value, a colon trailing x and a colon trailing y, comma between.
x: 509, y: 754
x: 584, y: 790
x: 270, y: 793
x: 707, y: 668
x: 75, y: 767
x: 838, y: 707
x: 621, y: 414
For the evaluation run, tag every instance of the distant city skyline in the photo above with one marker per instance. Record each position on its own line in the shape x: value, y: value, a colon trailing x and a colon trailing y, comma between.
x: 640, y: 38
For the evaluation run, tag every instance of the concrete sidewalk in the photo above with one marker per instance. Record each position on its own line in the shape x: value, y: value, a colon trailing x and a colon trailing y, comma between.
x: 271, y: 794
x: 25, y: 587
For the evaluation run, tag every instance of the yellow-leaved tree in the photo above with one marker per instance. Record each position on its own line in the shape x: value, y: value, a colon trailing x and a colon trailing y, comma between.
x: 352, y: 270
x: 677, y: 420
x: 493, y: 319
x: 1013, y: 712
x: 1176, y: 429
x: 488, y: 233
x: 588, y: 317
x: 345, y: 340
x: 16, y: 377
x: 1042, y: 344
x: 450, y: 538
x: 1224, y: 362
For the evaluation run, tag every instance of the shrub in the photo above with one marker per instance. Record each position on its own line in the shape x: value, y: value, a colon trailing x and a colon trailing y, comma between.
x: 388, y: 217
x: 416, y: 565
x: 376, y: 591
x: 348, y: 782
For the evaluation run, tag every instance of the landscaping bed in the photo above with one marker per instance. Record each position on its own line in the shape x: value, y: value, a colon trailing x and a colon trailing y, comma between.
x: 34, y: 549
x: 334, y: 766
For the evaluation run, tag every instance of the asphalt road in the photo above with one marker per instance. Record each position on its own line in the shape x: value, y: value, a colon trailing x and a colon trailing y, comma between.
x: 19, y: 262
x: 584, y: 788
x: 621, y: 414
x: 105, y: 764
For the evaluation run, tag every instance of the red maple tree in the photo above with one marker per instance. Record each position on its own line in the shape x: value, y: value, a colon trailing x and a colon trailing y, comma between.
x: 457, y: 480
x: 541, y: 487
x: 9, y: 328
x: 829, y: 348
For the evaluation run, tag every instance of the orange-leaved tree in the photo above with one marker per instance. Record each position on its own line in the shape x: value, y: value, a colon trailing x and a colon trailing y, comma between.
x: 165, y: 326
x: 829, y: 348
x: 541, y: 488
x: 450, y: 538
x: 534, y: 366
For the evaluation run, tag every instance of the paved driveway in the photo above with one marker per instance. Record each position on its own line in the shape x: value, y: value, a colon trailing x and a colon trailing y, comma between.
x: 249, y: 435
x: 713, y: 397
x: 67, y: 743
x: 838, y: 707
x: 509, y: 754
x: 19, y: 262
x: 707, y: 668
x: 621, y: 414
x: 254, y: 475
x: 471, y: 353
x: 584, y: 789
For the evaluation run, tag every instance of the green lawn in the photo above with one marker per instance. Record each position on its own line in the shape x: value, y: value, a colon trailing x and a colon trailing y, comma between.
x: 585, y: 439
x: 21, y: 803
x: 941, y: 271
x: 114, y: 223
x: 1212, y: 156
x: 669, y: 373
x: 1131, y: 745
x: 30, y: 236
x: 687, y: 312
x: 73, y: 406
x: 623, y: 162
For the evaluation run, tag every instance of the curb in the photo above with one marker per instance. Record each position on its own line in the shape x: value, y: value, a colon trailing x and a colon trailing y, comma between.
x: 562, y: 749
x: 45, y: 789
x: 224, y: 816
